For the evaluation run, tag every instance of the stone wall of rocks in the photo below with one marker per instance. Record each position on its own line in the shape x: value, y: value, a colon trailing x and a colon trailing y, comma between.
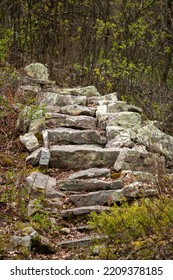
x: 101, y: 143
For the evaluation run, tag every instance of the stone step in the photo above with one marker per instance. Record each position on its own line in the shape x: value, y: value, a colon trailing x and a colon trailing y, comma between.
x: 76, y: 110
x: 59, y: 120
x: 90, y: 173
x: 78, y: 211
x: 76, y: 157
x: 77, y: 243
x: 97, y: 198
x: 65, y: 136
x: 91, y: 185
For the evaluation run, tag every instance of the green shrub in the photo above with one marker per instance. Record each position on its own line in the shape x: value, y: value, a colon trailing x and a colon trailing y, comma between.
x: 136, y: 231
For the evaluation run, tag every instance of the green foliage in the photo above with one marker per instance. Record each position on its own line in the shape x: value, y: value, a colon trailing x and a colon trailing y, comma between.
x: 41, y: 221
x: 136, y: 230
x: 5, y: 42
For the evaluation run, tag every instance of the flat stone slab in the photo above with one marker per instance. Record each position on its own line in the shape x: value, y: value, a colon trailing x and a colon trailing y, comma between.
x: 78, y: 157
x: 59, y: 120
x: 90, y: 173
x: 64, y: 100
x: 76, y: 243
x: 75, y: 110
x: 97, y: 198
x: 86, y: 91
x: 75, y: 136
x: 77, y: 211
x: 89, y: 185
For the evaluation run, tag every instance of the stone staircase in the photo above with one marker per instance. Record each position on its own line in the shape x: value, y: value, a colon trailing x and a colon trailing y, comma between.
x: 93, y: 141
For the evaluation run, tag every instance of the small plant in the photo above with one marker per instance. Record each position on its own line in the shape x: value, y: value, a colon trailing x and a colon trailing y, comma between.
x: 41, y: 221
x: 140, y: 231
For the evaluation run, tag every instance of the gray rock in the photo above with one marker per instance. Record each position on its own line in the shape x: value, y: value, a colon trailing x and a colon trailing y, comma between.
x: 111, y: 97
x: 124, y: 119
x: 37, y: 125
x: 136, y: 189
x: 129, y: 176
x: 24, y: 119
x: 76, y: 243
x: 44, y: 157
x: 37, y: 71
x: 82, y: 156
x: 105, y: 197
x: 75, y: 136
x: 48, y: 98
x: 155, y: 140
x: 120, y: 141
x: 59, y: 120
x: 29, y: 141
x: 34, y: 206
x: 27, y: 93
x: 84, y: 210
x: 136, y: 160
x: 80, y: 185
x: 45, y: 138
x: 44, y: 184
x: 41, y: 244
x: 34, y: 158
x: 120, y: 106
x: 52, y: 109
x: 64, y: 100
x: 75, y: 110
x: 20, y: 243
x: 90, y: 173
x: 85, y: 91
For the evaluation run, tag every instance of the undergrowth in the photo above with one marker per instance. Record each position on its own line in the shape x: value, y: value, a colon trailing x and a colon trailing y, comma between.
x: 140, y: 231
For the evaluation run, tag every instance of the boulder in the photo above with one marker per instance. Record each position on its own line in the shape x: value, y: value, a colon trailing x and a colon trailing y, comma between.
x: 81, y: 156
x: 44, y: 184
x: 155, y: 140
x: 89, y: 185
x: 37, y: 71
x: 129, y: 176
x: 75, y: 136
x: 34, y: 158
x: 85, y: 91
x: 139, y: 189
x: 26, y: 118
x: 21, y: 243
x: 29, y: 141
x: 124, y: 119
x: 137, y: 160
x: 59, y: 120
x: 120, y: 106
x: 119, y: 138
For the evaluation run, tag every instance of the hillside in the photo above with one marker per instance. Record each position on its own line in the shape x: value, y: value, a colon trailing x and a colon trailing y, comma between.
x: 83, y: 174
